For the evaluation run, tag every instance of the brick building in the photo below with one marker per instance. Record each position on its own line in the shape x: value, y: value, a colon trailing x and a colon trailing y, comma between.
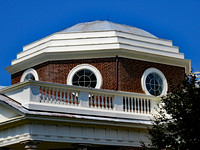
x: 91, y: 86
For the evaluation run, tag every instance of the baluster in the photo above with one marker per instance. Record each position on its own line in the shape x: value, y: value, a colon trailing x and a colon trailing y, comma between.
x: 128, y: 104
x: 53, y: 95
x: 61, y: 98
x: 77, y: 100
x: 64, y: 96
x: 98, y: 102
x: 68, y: 96
x: 132, y: 104
x: 49, y: 96
x: 45, y: 93
x: 95, y: 101
x: 105, y: 102
x: 56, y: 100
x: 41, y: 94
x: 71, y: 98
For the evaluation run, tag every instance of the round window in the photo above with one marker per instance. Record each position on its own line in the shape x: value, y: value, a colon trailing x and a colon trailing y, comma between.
x: 154, y: 82
x: 85, y: 75
x: 29, y: 77
x: 29, y: 74
x: 85, y: 78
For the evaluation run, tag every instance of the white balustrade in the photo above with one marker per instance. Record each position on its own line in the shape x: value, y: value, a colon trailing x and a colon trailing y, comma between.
x: 58, y: 96
x: 101, y: 101
x: 53, y: 94
x: 136, y: 105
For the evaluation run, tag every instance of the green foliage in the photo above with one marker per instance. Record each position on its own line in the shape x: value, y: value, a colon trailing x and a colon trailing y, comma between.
x: 177, y: 124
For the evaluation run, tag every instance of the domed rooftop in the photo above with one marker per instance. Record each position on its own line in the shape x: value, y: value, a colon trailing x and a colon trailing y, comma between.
x: 106, y: 26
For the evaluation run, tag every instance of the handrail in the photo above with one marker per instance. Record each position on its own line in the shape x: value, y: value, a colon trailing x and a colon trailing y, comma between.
x: 60, y: 95
x: 71, y: 87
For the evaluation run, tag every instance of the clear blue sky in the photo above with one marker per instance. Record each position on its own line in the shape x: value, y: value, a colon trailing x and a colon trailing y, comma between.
x: 25, y: 21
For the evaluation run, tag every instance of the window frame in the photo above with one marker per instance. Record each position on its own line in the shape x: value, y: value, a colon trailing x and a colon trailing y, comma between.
x: 88, y: 67
x: 160, y: 74
x: 29, y: 71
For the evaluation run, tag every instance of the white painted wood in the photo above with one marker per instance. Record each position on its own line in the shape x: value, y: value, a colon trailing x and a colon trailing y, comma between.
x: 118, y: 103
x: 7, y: 114
x: 37, y: 95
x: 84, y: 99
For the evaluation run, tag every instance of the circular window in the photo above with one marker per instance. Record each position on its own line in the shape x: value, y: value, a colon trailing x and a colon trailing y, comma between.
x: 85, y: 78
x: 85, y: 75
x: 29, y: 77
x: 154, y: 82
x: 29, y: 74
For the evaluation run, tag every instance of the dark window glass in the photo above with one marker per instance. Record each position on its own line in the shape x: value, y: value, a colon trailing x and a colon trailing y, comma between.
x: 84, y: 78
x: 154, y: 84
x: 29, y: 77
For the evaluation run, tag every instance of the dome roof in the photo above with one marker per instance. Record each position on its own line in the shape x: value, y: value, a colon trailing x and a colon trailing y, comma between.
x: 106, y: 26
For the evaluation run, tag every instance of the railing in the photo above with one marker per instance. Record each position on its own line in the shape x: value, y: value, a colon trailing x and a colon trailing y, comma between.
x: 101, y: 101
x: 83, y: 99
x: 137, y: 105
x: 58, y: 96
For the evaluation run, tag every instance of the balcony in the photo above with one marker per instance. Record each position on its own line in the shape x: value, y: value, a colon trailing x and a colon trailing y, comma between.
x: 61, y: 98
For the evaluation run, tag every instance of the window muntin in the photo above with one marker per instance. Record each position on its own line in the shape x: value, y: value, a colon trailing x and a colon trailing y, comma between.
x: 154, y: 82
x: 84, y: 78
x: 85, y: 75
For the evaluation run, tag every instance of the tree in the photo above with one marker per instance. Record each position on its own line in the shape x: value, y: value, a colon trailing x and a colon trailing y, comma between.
x: 177, y: 124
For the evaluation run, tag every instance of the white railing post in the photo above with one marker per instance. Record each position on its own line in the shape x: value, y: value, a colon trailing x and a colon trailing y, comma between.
x: 118, y: 103
x: 84, y: 99
x: 34, y: 91
x: 26, y: 95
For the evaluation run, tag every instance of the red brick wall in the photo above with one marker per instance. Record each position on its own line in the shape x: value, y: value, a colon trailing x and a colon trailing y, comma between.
x: 130, y: 72
x: 57, y: 71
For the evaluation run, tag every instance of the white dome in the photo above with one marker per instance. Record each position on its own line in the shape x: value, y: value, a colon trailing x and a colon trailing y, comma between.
x: 105, y: 26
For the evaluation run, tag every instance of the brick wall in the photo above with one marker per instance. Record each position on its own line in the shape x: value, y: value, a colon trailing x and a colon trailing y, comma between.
x: 129, y: 72
x: 57, y: 71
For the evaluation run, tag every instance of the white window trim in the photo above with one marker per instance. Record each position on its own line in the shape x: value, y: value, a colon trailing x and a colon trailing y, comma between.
x: 89, y: 67
x: 32, y: 71
x: 154, y: 70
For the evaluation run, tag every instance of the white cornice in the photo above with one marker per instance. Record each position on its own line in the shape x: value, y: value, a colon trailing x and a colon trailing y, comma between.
x: 44, y: 57
x: 96, y: 41
x: 98, y: 44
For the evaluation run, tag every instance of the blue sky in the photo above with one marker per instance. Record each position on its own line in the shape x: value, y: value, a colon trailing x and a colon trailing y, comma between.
x: 25, y: 21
